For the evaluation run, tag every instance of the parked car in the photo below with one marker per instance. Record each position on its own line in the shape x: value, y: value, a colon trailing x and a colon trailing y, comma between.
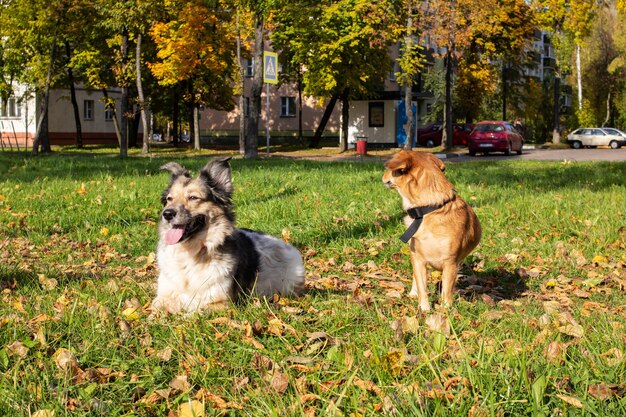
x: 494, y: 136
x: 431, y: 135
x: 595, y: 136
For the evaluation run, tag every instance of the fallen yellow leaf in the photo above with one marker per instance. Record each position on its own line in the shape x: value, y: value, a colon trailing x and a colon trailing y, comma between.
x: 193, y: 408
x: 131, y: 313
x: 570, y: 400
x: 600, y: 260
x: 394, y: 359
x: 82, y: 190
x: 43, y: 413
x: 275, y: 327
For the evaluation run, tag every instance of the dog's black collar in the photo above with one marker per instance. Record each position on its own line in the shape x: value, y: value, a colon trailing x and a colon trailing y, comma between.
x: 417, y: 214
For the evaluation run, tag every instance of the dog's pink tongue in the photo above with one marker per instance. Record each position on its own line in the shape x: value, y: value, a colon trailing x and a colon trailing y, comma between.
x: 174, y: 235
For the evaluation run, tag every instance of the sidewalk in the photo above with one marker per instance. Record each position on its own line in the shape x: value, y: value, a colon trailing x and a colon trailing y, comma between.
x: 333, y: 154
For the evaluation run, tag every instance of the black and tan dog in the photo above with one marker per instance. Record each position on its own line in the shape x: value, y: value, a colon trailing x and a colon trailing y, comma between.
x: 204, y: 260
x: 442, y: 228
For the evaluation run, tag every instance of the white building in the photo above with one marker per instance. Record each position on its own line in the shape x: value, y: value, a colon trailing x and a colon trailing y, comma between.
x: 20, y: 113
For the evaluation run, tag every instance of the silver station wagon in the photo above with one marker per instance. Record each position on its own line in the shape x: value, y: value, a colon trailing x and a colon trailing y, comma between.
x: 594, y: 136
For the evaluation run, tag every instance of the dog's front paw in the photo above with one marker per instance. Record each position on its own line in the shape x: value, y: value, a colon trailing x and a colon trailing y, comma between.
x: 425, y: 307
x: 166, y: 304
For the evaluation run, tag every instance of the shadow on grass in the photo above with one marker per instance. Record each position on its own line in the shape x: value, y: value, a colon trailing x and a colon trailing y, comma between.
x: 490, y: 287
x: 497, y: 284
x: 12, y: 277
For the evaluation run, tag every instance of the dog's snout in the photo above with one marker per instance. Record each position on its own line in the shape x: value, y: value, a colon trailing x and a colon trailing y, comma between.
x: 387, y: 181
x: 169, y: 214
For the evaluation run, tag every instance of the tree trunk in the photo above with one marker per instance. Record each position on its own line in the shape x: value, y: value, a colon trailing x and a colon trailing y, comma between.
x: 124, y: 99
x: 176, y: 110
x: 116, y: 123
x: 133, y: 129
x: 41, y: 136
x: 408, y: 86
x: 242, y: 99
x: 252, y: 136
x: 300, y: 87
x: 447, y: 139
x: 608, y: 110
x: 345, y: 116
x: 556, y: 131
x: 189, y: 113
x: 315, y: 140
x: 142, y: 101
x: 196, y: 127
x: 579, y: 78
x: 70, y: 78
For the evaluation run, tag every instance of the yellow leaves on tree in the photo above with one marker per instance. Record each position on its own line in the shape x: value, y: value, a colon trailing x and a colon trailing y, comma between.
x: 473, y: 76
x: 195, y: 42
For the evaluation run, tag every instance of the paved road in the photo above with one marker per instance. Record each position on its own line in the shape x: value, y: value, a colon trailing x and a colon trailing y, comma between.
x: 599, y: 154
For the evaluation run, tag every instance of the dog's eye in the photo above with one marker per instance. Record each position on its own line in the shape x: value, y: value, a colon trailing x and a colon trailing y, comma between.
x: 397, y: 172
x: 169, y: 198
x: 193, y: 198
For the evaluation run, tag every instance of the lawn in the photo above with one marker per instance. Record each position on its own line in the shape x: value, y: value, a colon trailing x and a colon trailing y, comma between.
x: 538, y: 326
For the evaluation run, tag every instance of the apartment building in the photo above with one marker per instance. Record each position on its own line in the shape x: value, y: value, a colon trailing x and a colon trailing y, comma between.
x: 20, y: 113
x: 379, y: 120
x: 543, y: 65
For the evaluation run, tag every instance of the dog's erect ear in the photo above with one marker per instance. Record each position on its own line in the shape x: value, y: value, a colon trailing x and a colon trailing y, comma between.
x: 217, y: 175
x: 175, y: 170
x: 438, y: 162
x: 400, y: 164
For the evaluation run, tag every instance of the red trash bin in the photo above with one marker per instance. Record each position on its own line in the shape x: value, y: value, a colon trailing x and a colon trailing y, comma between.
x: 361, y: 145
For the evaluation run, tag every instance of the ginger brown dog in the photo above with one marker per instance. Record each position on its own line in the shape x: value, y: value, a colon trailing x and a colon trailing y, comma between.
x: 442, y: 228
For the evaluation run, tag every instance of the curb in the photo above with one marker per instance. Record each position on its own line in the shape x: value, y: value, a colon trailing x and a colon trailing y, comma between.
x: 447, y: 155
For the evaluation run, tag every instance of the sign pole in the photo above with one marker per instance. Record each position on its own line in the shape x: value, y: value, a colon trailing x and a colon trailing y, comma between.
x: 270, y: 76
x: 267, y: 117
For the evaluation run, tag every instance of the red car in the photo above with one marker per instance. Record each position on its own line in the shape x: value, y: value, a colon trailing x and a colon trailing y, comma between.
x: 495, y: 136
x: 430, y: 136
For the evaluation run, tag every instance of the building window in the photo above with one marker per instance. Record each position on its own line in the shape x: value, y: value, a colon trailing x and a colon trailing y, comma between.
x: 377, y: 114
x: 395, y: 70
x: 249, y: 67
x: 88, y: 109
x: 108, y: 112
x: 10, y: 108
x: 287, y: 107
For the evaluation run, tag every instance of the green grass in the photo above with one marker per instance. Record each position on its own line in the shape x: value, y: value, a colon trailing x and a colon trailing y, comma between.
x: 538, y: 327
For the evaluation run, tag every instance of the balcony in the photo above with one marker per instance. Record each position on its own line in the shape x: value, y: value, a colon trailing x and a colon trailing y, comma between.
x: 549, y: 62
x: 534, y: 58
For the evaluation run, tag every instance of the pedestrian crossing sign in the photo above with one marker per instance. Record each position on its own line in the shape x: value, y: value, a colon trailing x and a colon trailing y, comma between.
x: 270, y: 67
